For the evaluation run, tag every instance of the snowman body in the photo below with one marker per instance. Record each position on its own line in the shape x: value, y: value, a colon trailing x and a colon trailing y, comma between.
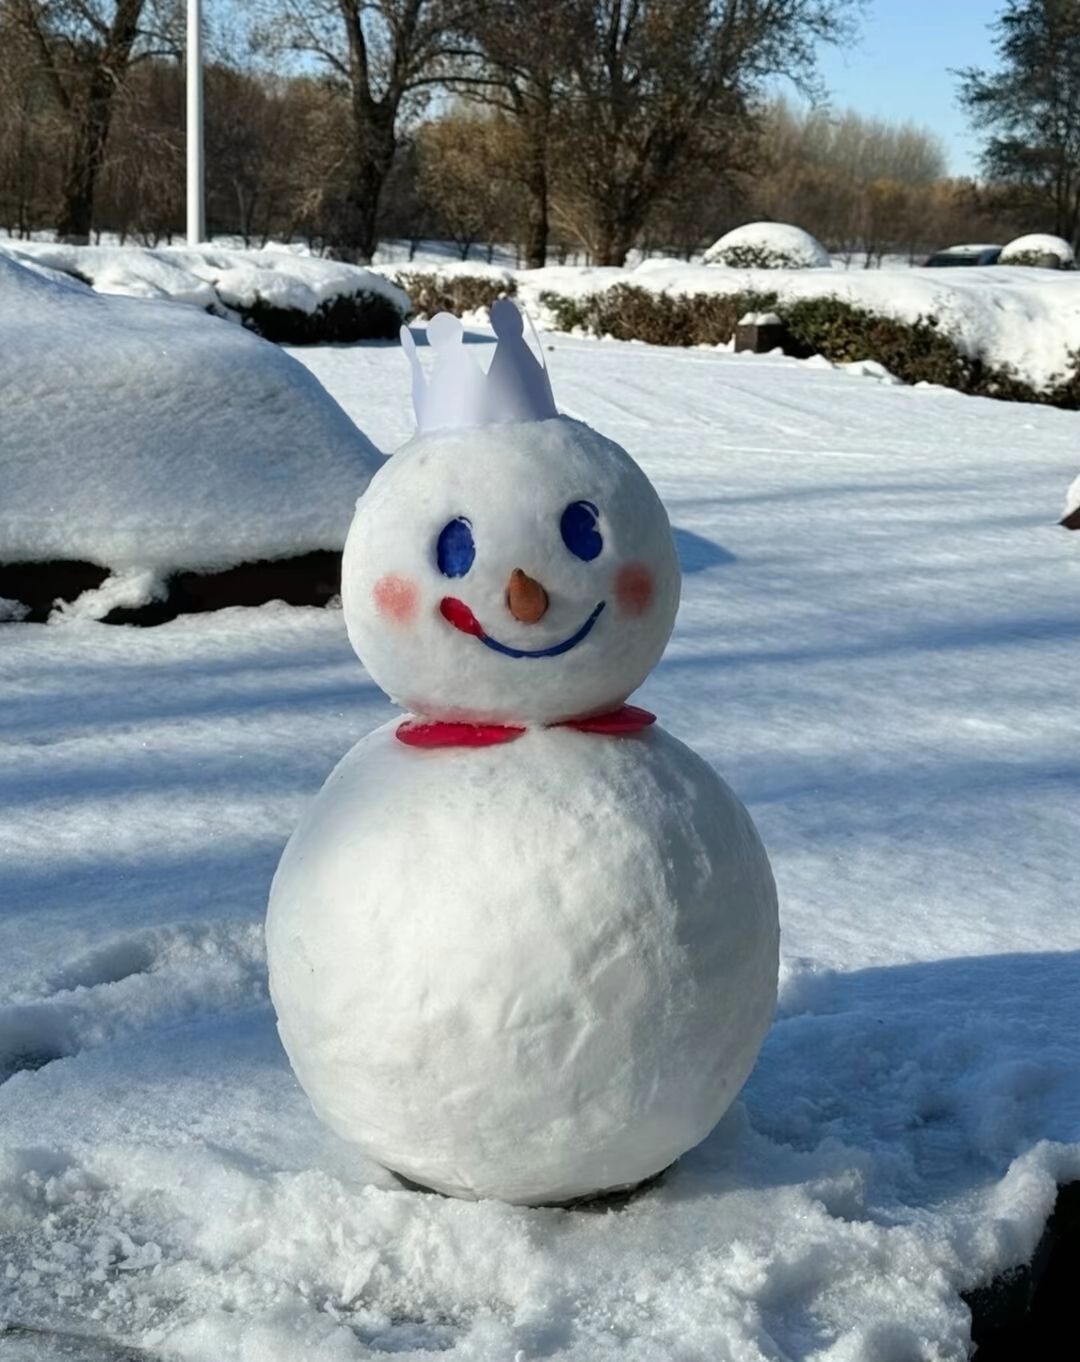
x: 509, y: 957
x: 530, y: 971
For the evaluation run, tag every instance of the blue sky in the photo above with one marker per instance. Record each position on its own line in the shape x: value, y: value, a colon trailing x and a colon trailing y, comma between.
x: 900, y: 68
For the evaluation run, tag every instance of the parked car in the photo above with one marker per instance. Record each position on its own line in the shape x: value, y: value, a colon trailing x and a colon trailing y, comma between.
x: 964, y: 255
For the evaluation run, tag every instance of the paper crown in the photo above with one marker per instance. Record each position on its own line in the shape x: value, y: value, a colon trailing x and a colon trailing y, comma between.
x: 458, y: 393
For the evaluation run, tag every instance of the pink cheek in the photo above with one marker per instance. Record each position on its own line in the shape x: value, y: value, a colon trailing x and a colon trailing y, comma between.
x: 396, y: 598
x: 634, y: 589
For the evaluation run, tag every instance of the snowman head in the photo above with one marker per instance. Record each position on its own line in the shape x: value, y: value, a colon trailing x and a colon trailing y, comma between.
x: 508, y: 565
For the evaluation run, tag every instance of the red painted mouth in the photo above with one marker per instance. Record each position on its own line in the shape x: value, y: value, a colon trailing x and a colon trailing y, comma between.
x: 460, y: 616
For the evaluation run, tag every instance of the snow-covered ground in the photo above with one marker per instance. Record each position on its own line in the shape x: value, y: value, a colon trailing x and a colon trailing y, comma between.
x: 877, y: 648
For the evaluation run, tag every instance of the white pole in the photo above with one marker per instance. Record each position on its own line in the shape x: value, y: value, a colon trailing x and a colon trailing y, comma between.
x: 196, y: 209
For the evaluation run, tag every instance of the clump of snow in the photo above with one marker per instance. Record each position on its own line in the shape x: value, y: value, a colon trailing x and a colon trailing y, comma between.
x: 1072, y: 499
x: 769, y: 245
x: 209, y: 276
x: 142, y: 435
x: 868, y: 368
x: 1038, y: 248
x: 125, y: 590
x: 759, y: 319
x: 12, y: 610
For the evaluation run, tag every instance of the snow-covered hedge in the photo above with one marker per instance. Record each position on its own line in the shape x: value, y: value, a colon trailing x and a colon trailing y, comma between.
x: 1040, y: 249
x: 148, y: 438
x: 768, y: 246
x: 284, y: 297
x: 465, y: 286
x: 1009, y: 333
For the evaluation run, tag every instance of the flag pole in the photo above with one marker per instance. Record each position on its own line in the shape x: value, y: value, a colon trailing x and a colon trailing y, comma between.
x: 196, y: 206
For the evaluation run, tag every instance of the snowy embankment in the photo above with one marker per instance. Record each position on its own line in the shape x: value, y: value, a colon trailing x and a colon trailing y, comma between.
x: 1025, y: 319
x: 877, y: 647
x: 266, y: 288
x: 149, y: 438
x: 208, y: 275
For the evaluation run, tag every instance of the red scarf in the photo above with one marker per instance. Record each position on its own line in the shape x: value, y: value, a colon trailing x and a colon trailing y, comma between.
x: 437, y: 733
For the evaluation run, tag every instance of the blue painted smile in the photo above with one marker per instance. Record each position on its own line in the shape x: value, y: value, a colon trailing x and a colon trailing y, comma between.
x: 461, y: 617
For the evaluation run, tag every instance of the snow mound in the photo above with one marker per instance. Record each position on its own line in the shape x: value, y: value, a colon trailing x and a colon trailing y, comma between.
x: 769, y: 245
x: 1038, y: 248
x: 142, y: 435
x: 208, y: 276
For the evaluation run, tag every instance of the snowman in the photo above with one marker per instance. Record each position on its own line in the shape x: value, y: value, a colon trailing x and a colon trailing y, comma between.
x: 523, y: 944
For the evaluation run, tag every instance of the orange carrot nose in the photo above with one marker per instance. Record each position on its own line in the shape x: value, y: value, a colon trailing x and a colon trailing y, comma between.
x: 526, y: 599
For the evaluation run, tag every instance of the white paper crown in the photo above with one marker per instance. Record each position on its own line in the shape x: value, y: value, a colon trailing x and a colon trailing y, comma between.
x: 458, y: 393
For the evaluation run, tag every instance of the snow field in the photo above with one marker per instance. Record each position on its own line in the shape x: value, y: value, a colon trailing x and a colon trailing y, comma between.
x: 876, y: 648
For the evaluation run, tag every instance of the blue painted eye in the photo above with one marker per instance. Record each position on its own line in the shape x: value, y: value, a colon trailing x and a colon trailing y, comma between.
x: 455, y: 550
x: 580, y: 532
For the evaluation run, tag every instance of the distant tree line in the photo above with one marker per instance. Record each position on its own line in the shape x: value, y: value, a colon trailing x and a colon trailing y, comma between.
x: 581, y: 128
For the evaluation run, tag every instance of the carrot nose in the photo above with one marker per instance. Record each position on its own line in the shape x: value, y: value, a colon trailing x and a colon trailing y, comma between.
x: 526, y: 599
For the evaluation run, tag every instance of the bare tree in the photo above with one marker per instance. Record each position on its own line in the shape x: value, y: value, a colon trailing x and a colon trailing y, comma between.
x: 464, y: 166
x: 654, y: 73
x: 522, y: 64
x: 860, y: 184
x: 84, y: 49
x: 387, y: 55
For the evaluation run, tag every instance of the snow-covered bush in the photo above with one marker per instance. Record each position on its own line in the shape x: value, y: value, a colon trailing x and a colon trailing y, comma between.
x: 768, y: 246
x: 288, y: 298
x: 458, y: 288
x: 147, y: 438
x: 1041, y: 249
x: 915, y: 350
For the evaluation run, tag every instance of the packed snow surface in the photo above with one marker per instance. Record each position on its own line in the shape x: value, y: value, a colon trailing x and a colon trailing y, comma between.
x: 209, y: 275
x: 144, y: 436
x: 876, y: 648
x: 790, y: 247
x: 1038, y: 243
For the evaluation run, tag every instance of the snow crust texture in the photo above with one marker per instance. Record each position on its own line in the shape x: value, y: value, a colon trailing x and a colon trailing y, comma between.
x: 146, y: 436
x: 531, y: 971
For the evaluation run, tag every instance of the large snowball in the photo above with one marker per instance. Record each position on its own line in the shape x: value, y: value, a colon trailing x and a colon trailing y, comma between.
x: 531, y: 971
x: 512, y: 484
x: 769, y: 246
